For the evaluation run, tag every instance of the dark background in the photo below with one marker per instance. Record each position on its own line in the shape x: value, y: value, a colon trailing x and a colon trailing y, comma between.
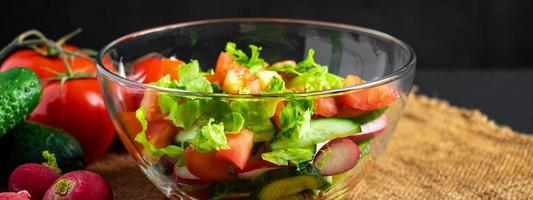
x: 474, y: 53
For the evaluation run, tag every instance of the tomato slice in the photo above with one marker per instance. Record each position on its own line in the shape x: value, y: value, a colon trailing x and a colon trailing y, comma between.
x: 240, y: 148
x: 367, y: 99
x: 277, y: 113
x: 205, y: 166
x: 150, y: 103
x: 326, y: 107
x: 160, y: 133
x: 152, y: 68
x: 225, y: 62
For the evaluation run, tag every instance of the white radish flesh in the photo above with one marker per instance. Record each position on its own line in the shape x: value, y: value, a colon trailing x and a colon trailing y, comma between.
x: 337, y: 156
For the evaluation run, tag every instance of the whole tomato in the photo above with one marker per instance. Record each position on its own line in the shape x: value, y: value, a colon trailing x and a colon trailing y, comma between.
x: 77, y: 106
x: 45, y: 66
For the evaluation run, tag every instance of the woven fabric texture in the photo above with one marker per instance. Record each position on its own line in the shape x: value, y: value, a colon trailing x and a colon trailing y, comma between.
x: 437, y: 152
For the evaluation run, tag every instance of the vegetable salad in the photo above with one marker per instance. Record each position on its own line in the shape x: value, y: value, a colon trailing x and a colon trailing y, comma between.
x: 254, y: 147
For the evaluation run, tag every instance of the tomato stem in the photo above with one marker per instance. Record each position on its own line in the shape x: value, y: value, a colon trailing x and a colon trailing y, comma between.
x: 53, y: 48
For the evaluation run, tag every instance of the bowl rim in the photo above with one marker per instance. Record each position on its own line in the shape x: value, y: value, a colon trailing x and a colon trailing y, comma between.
x: 399, y: 73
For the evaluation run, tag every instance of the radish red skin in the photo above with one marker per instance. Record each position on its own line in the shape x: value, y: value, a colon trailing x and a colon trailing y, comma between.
x: 343, y: 156
x: 371, y: 129
x: 79, y: 185
x: 21, y: 195
x: 32, y: 177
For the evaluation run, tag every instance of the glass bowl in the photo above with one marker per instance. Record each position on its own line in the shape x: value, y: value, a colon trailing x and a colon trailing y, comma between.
x: 385, y: 63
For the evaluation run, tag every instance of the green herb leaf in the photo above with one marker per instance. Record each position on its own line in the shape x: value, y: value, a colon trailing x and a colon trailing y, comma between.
x: 171, y: 150
x: 210, y: 137
x: 290, y: 155
x: 276, y: 86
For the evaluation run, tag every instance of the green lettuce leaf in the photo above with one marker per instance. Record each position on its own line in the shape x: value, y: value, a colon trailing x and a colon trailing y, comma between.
x: 171, y: 150
x: 295, y: 118
x: 254, y: 63
x: 290, y: 155
x: 257, y: 114
x: 193, y: 79
x: 233, y: 122
x: 276, y: 86
x: 210, y: 137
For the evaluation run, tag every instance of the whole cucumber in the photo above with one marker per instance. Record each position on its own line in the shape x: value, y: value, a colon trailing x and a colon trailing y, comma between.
x: 20, y: 90
x: 26, y: 141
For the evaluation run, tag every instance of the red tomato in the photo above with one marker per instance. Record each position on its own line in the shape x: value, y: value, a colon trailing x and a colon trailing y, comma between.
x: 225, y: 62
x: 277, y: 113
x: 79, y: 109
x: 150, y: 103
x: 350, y: 112
x: 152, y: 68
x: 160, y: 133
x: 240, y: 148
x: 43, y: 66
x: 205, y: 166
x: 367, y: 99
x: 326, y: 107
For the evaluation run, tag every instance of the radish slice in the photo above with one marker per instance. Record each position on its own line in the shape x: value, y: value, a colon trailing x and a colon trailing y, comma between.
x: 337, y: 156
x: 371, y: 129
x: 183, y: 175
x: 253, y: 170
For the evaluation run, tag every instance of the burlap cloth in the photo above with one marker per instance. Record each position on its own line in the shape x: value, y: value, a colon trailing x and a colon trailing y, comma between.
x: 438, y: 152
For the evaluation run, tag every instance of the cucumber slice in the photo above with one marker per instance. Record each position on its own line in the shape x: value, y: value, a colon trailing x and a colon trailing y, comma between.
x: 320, y: 130
x: 285, y: 183
x: 234, y: 188
x: 20, y: 90
x: 370, y: 116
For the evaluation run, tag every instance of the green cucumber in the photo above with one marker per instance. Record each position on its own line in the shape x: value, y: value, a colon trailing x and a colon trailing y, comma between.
x: 370, y: 116
x: 26, y: 142
x: 288, y: 182
x: 321, y: 130
x: 233, y: 188
x: 20, y: 91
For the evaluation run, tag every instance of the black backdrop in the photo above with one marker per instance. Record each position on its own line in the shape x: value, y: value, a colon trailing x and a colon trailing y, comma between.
x: 449, y: 34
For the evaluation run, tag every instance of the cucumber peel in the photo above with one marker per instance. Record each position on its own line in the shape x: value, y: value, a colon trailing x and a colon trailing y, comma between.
x: 20, y: 91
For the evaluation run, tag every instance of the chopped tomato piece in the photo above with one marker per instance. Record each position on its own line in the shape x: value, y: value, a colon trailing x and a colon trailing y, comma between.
x: 205, y: 166
x: 326, y: 107
x: 277, y: 113
x: 350, y: 112
x: 160, y: 133
x: 150, y: 103
x: 240, y: 148
x: 367, y: 99
x: 130, y: 123
x: 225, y: 62
x: 153, y: 68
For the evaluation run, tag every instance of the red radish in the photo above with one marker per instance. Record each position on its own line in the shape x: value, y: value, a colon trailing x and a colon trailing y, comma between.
x: 79, y: 185
x: 371, y: 129
x: 336, y: 157
x: 253, y: 170
x: 183, y: 175
x: 21, y: 195
x: 35, y: 178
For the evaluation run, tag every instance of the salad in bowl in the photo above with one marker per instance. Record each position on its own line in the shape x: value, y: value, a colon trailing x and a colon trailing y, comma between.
x: 247, y: 124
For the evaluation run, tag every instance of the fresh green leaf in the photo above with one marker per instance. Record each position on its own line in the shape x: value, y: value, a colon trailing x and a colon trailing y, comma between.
x: 276, y: 86
x: 210, y: 137
x: 254, y: 63
x: 186, y: 114
x: 233, y: 122
x: 51, y: 161
x: 295, y: 118
x: 257, y: 114
x: 171, y: 150
x: 290, y: 155
x: 192, y: 78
